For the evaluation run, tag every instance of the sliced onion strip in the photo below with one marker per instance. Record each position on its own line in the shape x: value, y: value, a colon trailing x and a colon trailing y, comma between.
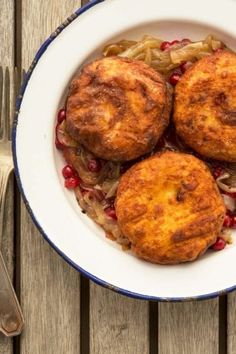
x: 229, y: 202
x: 222, y: 183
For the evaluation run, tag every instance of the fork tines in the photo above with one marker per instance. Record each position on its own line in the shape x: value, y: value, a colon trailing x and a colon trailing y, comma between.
x: 5, y: 114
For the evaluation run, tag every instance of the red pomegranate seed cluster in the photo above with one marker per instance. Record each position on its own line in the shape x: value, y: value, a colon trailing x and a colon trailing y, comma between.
x: 174, y: 78
x: 167, y: 45
x: 68, y: 172
x: 185, y: 66
x: 72, y: 182
x: 72, y: 179
x: 176, y: 75
x: 219, y: 245
x: 230, y: 221
x: 61, y: 115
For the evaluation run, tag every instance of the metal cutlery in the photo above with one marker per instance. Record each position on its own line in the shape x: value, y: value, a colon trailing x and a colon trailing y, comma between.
x: 11, y: 318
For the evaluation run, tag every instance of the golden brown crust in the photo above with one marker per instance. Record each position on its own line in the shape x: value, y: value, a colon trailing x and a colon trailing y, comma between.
x: 169, y: 208
x: 118, y: 108
x: 205, y: 106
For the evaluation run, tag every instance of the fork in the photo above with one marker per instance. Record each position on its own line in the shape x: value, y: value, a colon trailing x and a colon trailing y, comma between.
x: 11, y: 318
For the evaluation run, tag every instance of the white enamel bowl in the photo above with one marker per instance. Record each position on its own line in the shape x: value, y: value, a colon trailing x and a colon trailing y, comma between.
x: 38, y: 164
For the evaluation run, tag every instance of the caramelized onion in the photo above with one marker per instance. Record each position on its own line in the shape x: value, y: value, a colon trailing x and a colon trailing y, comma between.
x: 63, y: 137
x: 95, y: 210
x: 227, y: 236
x: 225, y: 182
x: 229, y: 202
x: 148, y: 49
x: 113, y: 189
x: 117, y: 48
x: 189, y: 52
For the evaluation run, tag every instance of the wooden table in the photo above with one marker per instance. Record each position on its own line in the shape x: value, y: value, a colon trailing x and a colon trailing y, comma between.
x: 64, y: 312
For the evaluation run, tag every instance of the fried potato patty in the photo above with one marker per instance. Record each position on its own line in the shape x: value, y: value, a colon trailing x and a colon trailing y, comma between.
x: 169, y: 208
x: 205, y: 106
x: 118, y: 108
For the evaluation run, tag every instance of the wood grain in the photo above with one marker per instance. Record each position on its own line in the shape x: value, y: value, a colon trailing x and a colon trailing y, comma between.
x: 50, y: 289
x: 7, y: 59
x: 118, y: 324
x: 231, y: 330
x: 188, y: 328
x: 7, y: 33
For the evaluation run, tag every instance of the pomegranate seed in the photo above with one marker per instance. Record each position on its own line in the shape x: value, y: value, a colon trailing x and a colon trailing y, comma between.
x: 94, y: 165
x: 72, y: 182
x: 218, y: 171
x: 233, y: 218
x: 219, y: 245
x: 68, y: 172
x: 186, y: 41
x: 61, y: 115
x: 174, y: 79
x: 110, y: 211
x: 58, y: 144
x: 182, y: 66
x: 174, y: 42
x: 185, y: 66
x: 228, y: 221
x: 165, y: 45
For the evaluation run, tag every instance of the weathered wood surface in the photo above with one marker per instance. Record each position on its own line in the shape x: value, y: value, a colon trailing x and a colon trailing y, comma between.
x: 117, y: 324
x: 188, y: 328
x: 50, y: 289
x: 231, y: 330
x: 7, y: 59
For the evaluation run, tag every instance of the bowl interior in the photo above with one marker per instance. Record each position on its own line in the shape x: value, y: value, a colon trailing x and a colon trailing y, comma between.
x: 166, y: 30
x: 77, y: 238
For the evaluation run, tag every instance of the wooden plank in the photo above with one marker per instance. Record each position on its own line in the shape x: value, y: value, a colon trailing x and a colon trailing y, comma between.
x: 7, y: 59
x: 190, y: 327
x: 231, y: 324
x: 7, y: 33
x: 50, y: 289
x: 117, y: 324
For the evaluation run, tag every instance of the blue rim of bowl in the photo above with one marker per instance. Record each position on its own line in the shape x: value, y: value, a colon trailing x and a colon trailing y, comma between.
x: 98, y: 281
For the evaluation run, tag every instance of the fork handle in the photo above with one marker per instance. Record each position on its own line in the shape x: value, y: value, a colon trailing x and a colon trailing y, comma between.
x: 5, y: 172
x: 11, y: 318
